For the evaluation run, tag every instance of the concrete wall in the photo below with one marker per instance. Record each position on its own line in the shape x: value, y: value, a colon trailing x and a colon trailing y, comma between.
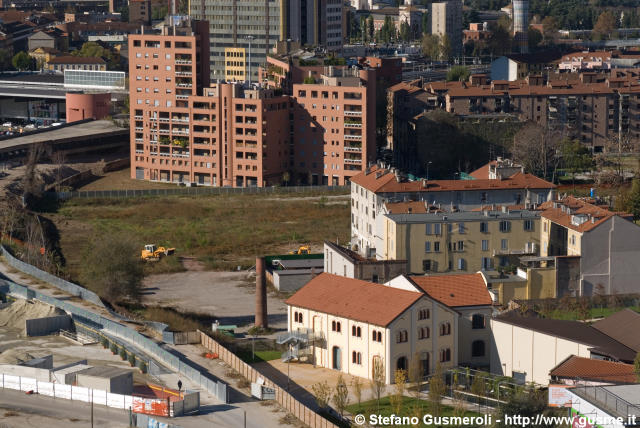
x: 181, y: 337
x: 122, y: 384
x: 42, y: 375
x: 290, y: 281
x: 87, y: 106
x: 48, y: 325
x: 517, y: 350
x: 467, y: 335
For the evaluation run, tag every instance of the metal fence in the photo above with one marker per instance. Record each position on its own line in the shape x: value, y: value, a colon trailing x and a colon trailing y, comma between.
x: 608, y: 400
x: 148, y: 346
x: 67, y: 286
x: 199, y: 190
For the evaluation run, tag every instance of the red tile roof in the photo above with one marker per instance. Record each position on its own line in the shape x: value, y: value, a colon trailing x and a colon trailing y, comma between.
x: 413, y: 207
x: 455, y: 290
x: 483, y: 171
x: 594, y: 370
x: 354, y: 299
x: 596, y: 215
x: 376, y: 179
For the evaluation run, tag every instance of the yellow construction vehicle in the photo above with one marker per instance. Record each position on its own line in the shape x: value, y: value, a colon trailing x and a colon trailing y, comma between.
x: 151, y: 253
x: 303, y: 249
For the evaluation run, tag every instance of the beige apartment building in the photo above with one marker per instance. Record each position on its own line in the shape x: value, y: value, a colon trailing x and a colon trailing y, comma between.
x: 438, y: 242
x: 345, y: 324
x: 372, y: 189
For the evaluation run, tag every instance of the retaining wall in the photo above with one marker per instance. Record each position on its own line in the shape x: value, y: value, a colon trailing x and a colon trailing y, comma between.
x: 286, y: 400
x: 181, y: 337
x: 48, y: 325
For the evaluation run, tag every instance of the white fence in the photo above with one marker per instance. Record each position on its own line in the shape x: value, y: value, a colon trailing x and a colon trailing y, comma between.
x: 69, y: 392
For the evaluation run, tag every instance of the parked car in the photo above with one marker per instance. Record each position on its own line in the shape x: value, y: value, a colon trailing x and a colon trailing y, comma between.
x: 7, y: 124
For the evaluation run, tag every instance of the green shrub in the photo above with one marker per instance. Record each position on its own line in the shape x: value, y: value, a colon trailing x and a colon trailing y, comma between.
x: 132, y: 360
x: 123, y: 354
x: 105, y: 342
x: 114, y: 348
x: 142, y: 366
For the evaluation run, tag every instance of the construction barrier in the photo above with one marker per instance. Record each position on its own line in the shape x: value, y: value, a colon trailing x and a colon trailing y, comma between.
x: 286, y: 400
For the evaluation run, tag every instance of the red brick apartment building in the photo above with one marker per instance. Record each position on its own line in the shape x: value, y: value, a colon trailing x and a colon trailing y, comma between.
x: 185, y: 130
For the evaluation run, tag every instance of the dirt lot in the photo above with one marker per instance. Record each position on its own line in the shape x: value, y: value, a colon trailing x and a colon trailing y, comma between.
x: 229, y: 296
x: 121, y: 180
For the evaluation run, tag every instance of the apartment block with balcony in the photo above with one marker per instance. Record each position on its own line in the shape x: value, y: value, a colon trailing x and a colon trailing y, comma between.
x: 334, y: 124
x: 437, y: 242
x: 185, y: 131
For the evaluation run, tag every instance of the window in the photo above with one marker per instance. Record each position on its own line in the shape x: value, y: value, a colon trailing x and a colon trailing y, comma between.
x: 484, y: 227
x: 427, y: 247
x: 461, y: 228
x: 462, y: 264
x: 505, y: 226
x: 477, y: 321
x: 460, y: 245
x: 335, y: 326
x: 528, y: 225
x: 376, y: 336
x: 445, y: 329
x: 485, y: 245
x: 544, y: 226
x: 402, y: 336
x: 297, y: 317
x: 445, y: 355
x: 573, y: 239
x: 356, y: 331
x: 437, y: 229
x: 356, y: 357
x: 436, y: 246
x: 449, y: 227
x: 504, y: 244
x: 423, y: 314
x: 428, y: 229
x: 423, y: 333
x: 477, y: 348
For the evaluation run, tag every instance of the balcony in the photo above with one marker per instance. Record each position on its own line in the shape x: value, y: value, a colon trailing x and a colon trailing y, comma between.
x: 164, y: 131
x: 183, y: 61
x: 184, y: 73
x: 352, y: 113
x: 353, y: 149
x: 353, y: 161
x: 138, y: 117
x: 180, y: 119
x: 353, y: 125
x: 139, y: 128
x: 515, y: 251
x: 180, y: 155
x: 184, y: 85
x: 353, y: 137
x: 140, y: 152
x: 164, y: 119
x: 180, y: 131
x: 182, y: 97
x: 139, y: 140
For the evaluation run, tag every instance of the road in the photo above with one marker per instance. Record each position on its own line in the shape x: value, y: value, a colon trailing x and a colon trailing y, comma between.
x: 20, y: 410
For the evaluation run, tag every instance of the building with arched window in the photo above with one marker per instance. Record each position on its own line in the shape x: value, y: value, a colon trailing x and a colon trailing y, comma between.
x: 355, y: 322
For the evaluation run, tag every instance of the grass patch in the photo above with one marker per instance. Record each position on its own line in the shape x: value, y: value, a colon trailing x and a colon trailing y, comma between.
x: 563, y: 314
x: 222, y: 231
x: 409, y: 407
x: 261, y: 356
x: 170, y: 264
x: 177, y: 321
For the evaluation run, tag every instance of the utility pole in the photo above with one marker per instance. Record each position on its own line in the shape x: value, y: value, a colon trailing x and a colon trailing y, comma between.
x: 92, y: 408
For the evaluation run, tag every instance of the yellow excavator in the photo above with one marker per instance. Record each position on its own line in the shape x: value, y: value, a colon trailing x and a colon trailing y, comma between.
x: 303, y: 249
x: 151, y: 253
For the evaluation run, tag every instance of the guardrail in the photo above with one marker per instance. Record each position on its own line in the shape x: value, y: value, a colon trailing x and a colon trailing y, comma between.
x: 197, y: 190
x: 203, y: 379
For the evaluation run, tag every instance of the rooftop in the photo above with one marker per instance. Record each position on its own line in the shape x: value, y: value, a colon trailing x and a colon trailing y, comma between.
x: 382, y: 180
x: 594, y: 370
x: 462, y: 216
x: 353, y: 299
x: 623, y: 326
x: 455, y: 290
x: 70, y: 59
x: 104, y: 372
x: 571, y: 330
x: 578, y: 214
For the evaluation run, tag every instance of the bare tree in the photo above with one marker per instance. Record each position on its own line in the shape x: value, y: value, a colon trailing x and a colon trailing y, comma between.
x: 400, y: 377
x: 436, y: 390
x: 416, y: 372
x: 377, y: 379
x: 356, y: 385
x: 58, y: 157
x: 322, y: 392
x: 341, y: 396
x: 536, y: 148
x: 32, y: 184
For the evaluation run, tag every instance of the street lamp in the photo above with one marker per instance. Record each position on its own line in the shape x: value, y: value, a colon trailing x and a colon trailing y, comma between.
x: 250, y: 39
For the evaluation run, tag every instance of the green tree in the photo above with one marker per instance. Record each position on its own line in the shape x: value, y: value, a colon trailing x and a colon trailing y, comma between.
x: 405, y: 32
x: 111, y: 267
x: 535, y: 38
x: 370, y: 29
x: 605, y: 24
x: 426, y: 24
x: 124, y: 13
x: 458, y: 73
x: 5, y: 60
x: 159, y: 12
x: 445, y: 47
x: 524, y: 404
x: 500, y: 40
x: 431, y: 46
x: 575, y: 157
x: 550, y: 27
x: 341, y: 395
x: 363, y: 29
x: 633, y: 205
x: 22, y: 61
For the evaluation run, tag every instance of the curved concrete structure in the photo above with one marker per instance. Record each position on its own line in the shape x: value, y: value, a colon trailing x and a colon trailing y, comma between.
x: 87, y: 106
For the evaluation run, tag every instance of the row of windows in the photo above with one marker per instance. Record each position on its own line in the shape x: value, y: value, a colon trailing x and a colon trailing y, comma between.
x: 504, y: 226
